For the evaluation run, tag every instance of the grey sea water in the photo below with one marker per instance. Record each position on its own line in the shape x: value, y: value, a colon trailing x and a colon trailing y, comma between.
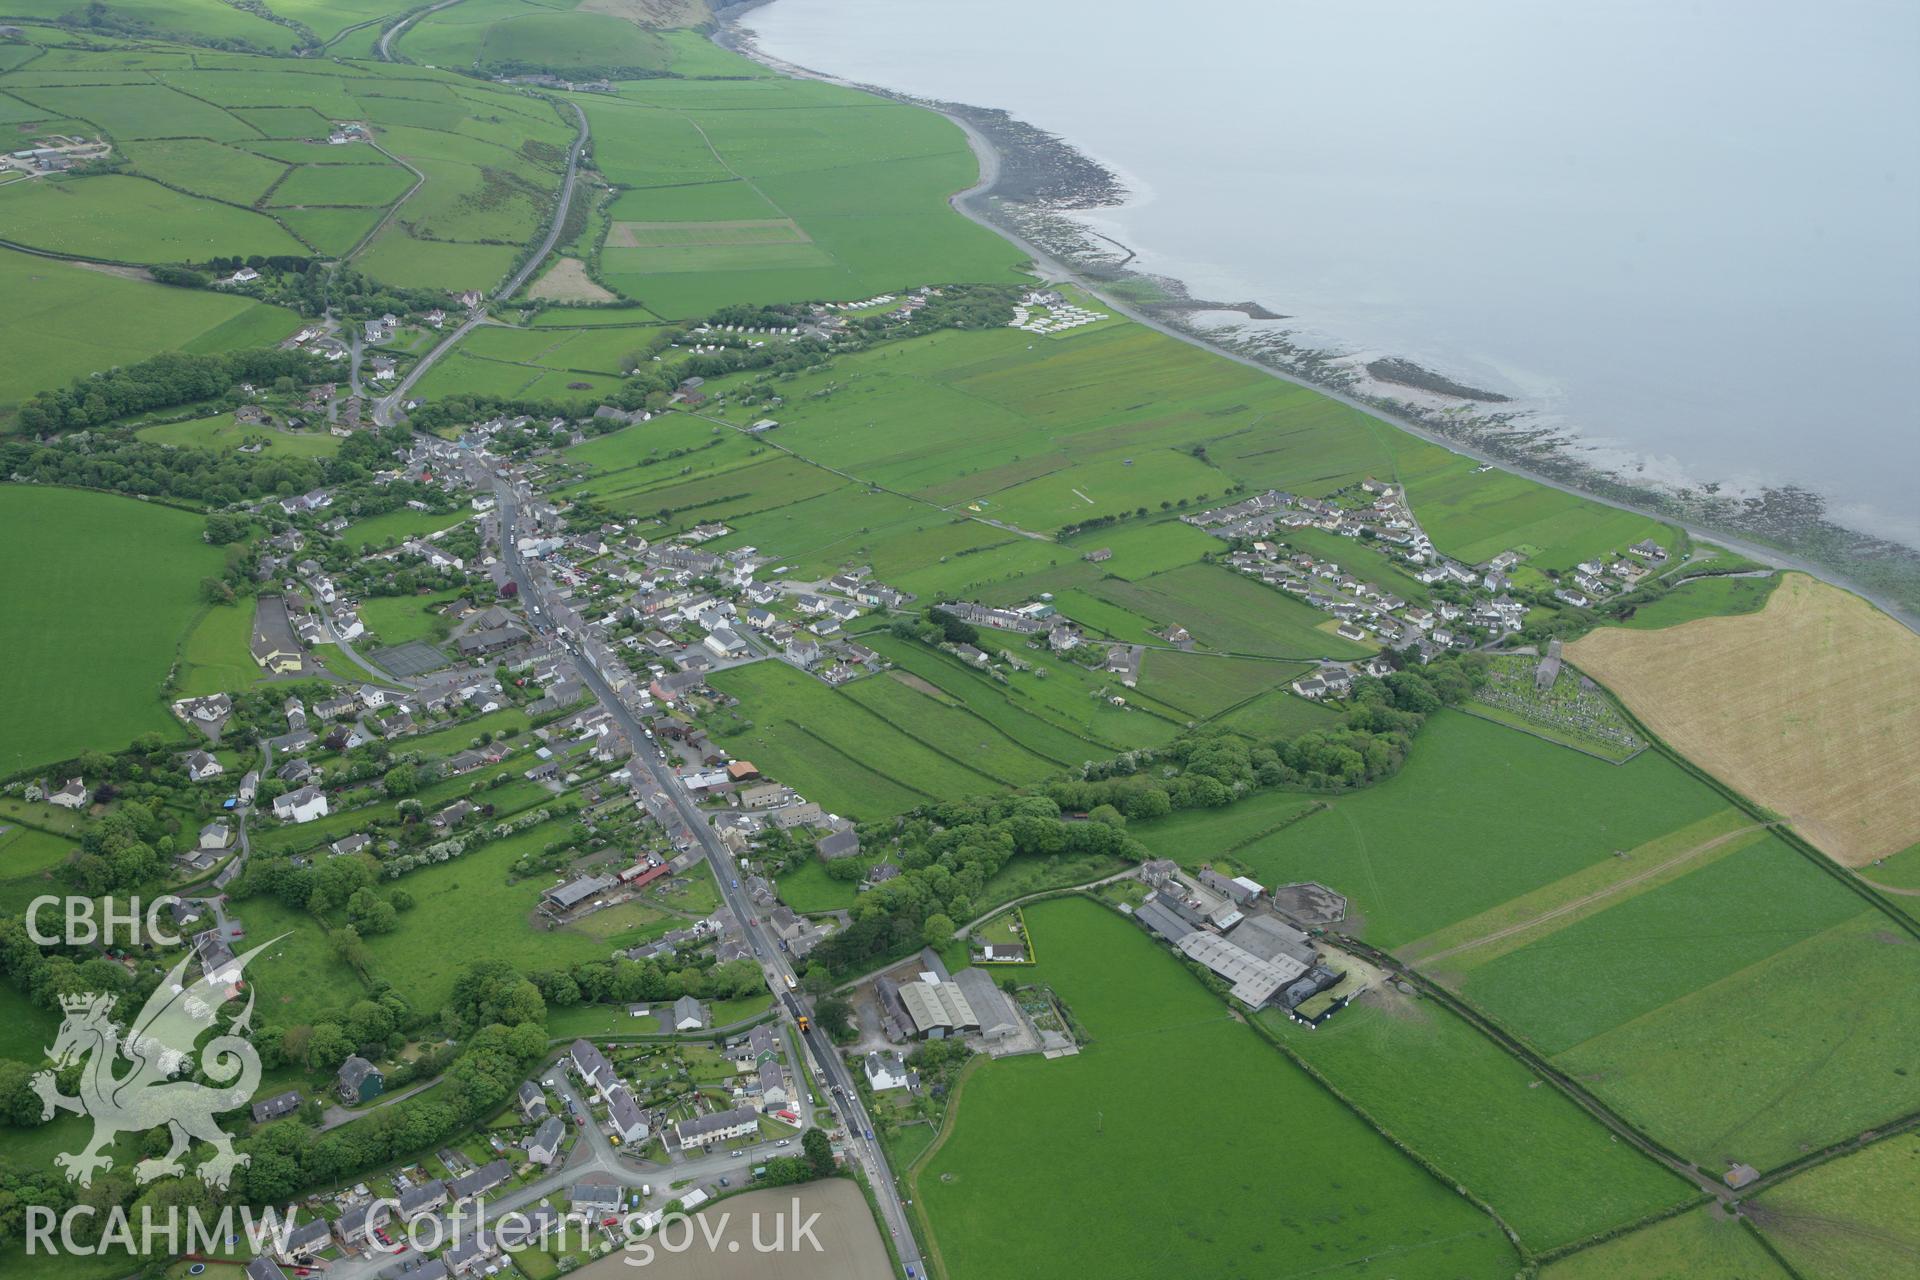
x: 1687, y: 232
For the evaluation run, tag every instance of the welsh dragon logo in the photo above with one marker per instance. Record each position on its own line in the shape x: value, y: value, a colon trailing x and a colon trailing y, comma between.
x: 159, y: 1044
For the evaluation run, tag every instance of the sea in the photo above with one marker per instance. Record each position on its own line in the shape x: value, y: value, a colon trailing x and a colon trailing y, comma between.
x: 1683, y: 233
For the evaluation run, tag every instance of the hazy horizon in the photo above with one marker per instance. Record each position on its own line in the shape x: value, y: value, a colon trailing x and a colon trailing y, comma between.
x: 1685, y: 235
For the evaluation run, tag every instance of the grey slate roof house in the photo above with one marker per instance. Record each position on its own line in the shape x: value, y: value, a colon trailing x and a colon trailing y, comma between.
x: 358, y: 1081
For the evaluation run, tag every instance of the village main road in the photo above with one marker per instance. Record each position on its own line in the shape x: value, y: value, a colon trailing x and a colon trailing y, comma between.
x: 384, y: 408
x: 840, y: 1091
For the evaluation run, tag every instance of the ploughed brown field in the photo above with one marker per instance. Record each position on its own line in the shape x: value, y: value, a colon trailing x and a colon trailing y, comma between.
x: 1810, y: 707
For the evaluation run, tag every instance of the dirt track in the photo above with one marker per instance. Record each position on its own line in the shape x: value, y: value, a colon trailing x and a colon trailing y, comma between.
x: 1587, y: 899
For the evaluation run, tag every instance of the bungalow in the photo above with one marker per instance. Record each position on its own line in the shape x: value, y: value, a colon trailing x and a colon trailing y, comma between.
x: 303, y: 805
x: 280, y: 1104
x: 841, y: 844
x: 347, y: 845
x: 201, y: 766
x: 358, y: 1081
x: 688, y: 1014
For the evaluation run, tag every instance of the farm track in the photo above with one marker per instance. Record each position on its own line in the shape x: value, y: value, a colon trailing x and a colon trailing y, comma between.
x: 1598, y: 895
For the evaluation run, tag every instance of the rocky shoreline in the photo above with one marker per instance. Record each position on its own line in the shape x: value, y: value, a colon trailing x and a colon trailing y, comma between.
x: 1033, y: 181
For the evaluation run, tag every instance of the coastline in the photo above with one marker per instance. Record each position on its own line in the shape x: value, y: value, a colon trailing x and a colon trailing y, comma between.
x: 1486, y: 437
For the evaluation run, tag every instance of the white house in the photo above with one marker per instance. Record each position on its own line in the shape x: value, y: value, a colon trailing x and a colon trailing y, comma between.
x: 201, y: 766
x: 885, y: 1071
x: 72, y: 796
x: 303, y: 805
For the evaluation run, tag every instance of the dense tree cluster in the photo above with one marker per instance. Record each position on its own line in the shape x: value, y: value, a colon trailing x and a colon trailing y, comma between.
x: 622, y: 981
x: 160, y: 382
x: 947, y: 853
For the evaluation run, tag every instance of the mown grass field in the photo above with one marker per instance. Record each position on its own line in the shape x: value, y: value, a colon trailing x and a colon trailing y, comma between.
x: 86, y: 659
x: 1553, y: 1172
x: 1807, y: 707
x: 1201, y: 1201
x: 1851, y: 1218
x: 398, y: 619
x: 1701, y: 1244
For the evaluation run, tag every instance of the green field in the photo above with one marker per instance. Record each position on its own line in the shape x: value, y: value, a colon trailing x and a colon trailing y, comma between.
x: 549, y: 36
x: 1230, y: 612
x: 85, y: 665
x: 207, y: 168
x: 398, y: 619
x: 1198, y: 836
x: 63, y: 321
x: 1797, y: 1050
x: 216, y: 657
x: 1704, y: 1244
x: 1474, y: 515
x: 466, y: 911
x: 1451, y: 1094
x: 951, y: 727
x: 126, y: 219
x: 27, y: 858
x: 343, y: 184
x: 1851, y: 1218
x: 1704, y: 598
x: 1204, y: 685
x: 866, y: 182
x: 221, y: 433
x: 1197, y: 1201
x: 399, y: 525
x: 1067, y: 715
x: 836, y: 751
x: 1478, y: 815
